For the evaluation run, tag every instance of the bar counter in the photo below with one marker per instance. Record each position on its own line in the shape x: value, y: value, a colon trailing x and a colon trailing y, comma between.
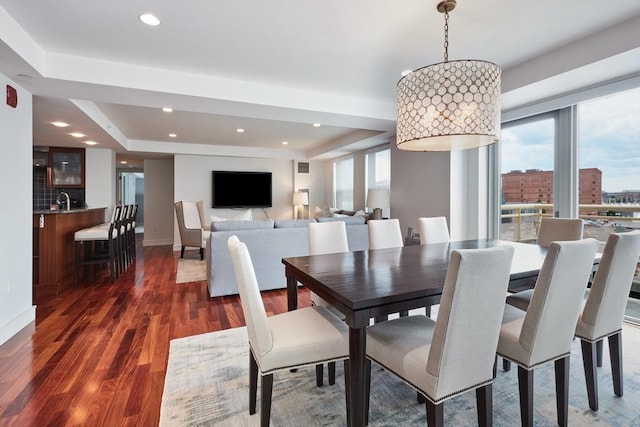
x: 53, y: 235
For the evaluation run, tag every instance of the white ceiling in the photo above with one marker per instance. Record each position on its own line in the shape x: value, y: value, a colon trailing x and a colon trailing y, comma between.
x: 270, y: 67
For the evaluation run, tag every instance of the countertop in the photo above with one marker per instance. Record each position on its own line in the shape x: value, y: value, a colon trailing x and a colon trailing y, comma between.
x: 62, y: 211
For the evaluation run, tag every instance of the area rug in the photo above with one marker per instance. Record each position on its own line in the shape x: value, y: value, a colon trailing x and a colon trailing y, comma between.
x: 191, y: 270
x: 207, y: 384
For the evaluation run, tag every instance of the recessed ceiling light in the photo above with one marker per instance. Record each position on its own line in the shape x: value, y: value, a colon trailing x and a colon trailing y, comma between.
x: 239, y: 130
x: 316, y: 125
x: 405, y: 72
x: 172, y: 135
x: 90, y: 142
x: 285, y: 143
x: 60, y: 124
x: 167, y: 109
x: 77, y: 135
x: 123, y: 162
x: 149, y: 19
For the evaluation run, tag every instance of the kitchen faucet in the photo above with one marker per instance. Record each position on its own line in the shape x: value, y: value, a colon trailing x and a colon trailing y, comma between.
x: 66, y: 195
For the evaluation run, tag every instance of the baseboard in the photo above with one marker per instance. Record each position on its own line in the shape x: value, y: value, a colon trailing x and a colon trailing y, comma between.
x: 18, y: 323
x: 159, y: 242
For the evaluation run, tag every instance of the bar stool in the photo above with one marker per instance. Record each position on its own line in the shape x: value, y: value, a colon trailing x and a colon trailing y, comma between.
x: 89, y: 241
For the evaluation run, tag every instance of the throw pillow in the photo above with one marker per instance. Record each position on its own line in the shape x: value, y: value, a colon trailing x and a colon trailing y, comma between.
x: 242, y: 216
x: 322, y: 212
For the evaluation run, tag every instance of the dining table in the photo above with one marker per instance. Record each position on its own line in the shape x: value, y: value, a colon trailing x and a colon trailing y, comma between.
x: 365, y: 285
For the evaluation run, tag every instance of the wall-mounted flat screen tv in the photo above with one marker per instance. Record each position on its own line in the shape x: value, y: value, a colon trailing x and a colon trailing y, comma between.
x: 233, y: 189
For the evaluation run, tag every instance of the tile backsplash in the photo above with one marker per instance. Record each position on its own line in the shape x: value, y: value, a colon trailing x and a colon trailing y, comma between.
x: 44, y: 196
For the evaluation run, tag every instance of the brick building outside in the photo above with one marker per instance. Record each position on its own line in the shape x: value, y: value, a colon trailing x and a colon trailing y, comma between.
x: 536, y: 186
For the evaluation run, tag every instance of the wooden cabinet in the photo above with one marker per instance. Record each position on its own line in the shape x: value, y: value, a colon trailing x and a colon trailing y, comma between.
x: 53, y: 238
x: 66, y: 167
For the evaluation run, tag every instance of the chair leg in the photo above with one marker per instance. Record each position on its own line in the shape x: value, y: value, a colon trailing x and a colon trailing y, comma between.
x: 319, y: 374
x: 599, y: 353
x: 484, y: 404
x: 367, y: 389
x: 265, y: 400
x: 495, y: 367
x: 346, y: 394
x: 562, y: 390
x: 113, y: 261
x: 506, y: 365
x: 76, y: 259
x: 201, y: 254
x: 331, y: 367
x: 182, y: 252
x: 420, y: 398
x: 435, y: 414
x: 615, y: 353
x: 525, y: 386
x: 590, y: 373
x: 253, y: 383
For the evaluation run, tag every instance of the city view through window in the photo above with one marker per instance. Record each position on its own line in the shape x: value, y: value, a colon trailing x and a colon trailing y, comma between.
x: 608, y: 141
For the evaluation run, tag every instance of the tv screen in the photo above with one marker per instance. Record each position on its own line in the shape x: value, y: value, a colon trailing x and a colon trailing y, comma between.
x: 233, y: 189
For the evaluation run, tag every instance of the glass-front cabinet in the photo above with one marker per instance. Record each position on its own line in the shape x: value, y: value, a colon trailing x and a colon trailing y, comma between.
x: 66, y: 167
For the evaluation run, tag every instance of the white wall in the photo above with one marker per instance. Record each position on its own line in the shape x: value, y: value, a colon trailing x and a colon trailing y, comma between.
x: 193, y: 182
x: 158, y: 202
x: 100, y: 178
x: 468, y: 194
x: 315, y: 182
x: 420, y: 186
x: 16, y: 309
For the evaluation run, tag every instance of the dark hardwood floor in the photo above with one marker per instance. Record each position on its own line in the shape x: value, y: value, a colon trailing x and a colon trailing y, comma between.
x: 97, y: 354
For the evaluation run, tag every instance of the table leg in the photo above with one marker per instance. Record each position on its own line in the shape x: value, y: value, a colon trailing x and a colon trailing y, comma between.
x: 357, y: 348
x: 292, y: 293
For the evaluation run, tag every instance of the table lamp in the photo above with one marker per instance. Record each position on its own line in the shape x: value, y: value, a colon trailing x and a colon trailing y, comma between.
x: 300, y: 199
x: 378, y: 199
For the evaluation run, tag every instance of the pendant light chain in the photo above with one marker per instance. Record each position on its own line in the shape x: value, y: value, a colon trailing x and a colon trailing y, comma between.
x: 446, y: 36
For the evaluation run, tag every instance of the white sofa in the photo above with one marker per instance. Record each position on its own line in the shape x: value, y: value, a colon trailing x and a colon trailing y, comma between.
x: 268, y: 242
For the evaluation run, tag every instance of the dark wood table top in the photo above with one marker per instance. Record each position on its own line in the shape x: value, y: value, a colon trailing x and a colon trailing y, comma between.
x: 388, y: 280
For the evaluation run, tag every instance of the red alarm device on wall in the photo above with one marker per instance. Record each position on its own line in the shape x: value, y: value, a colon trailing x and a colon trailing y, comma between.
x: 12, y: 96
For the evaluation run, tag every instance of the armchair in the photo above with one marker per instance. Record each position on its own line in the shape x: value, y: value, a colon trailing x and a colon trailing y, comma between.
x: 191, y: 230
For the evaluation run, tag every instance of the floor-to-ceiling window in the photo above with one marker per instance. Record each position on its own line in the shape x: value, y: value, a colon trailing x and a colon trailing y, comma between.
x: 378, y: 173
x: 580, y: 159
x: 609, y: 160
x: 343, y: 184
x: 527, y: 158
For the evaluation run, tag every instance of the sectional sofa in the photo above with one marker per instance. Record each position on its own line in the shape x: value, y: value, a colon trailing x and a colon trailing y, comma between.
x: 268, y: 242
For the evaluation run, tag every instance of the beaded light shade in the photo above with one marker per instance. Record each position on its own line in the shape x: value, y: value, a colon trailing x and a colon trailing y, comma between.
x: 450, y: 105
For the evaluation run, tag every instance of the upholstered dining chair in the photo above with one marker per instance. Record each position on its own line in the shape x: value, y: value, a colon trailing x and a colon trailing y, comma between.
x: 551, y: 229
x: 384, y: 233
x: 545, y: 331
x: 456, y: 353
x: 303, y: 337
x: 433, y: 230
x: 603, y: 312
x: 191, y: 232
x: 327, y: 238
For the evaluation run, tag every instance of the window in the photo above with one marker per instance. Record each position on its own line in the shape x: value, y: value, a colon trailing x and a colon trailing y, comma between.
x: 343, y: 184
x: 527, y: 153
x: 609, y: 146
x: 590, y: 147
x: 378, y: 173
